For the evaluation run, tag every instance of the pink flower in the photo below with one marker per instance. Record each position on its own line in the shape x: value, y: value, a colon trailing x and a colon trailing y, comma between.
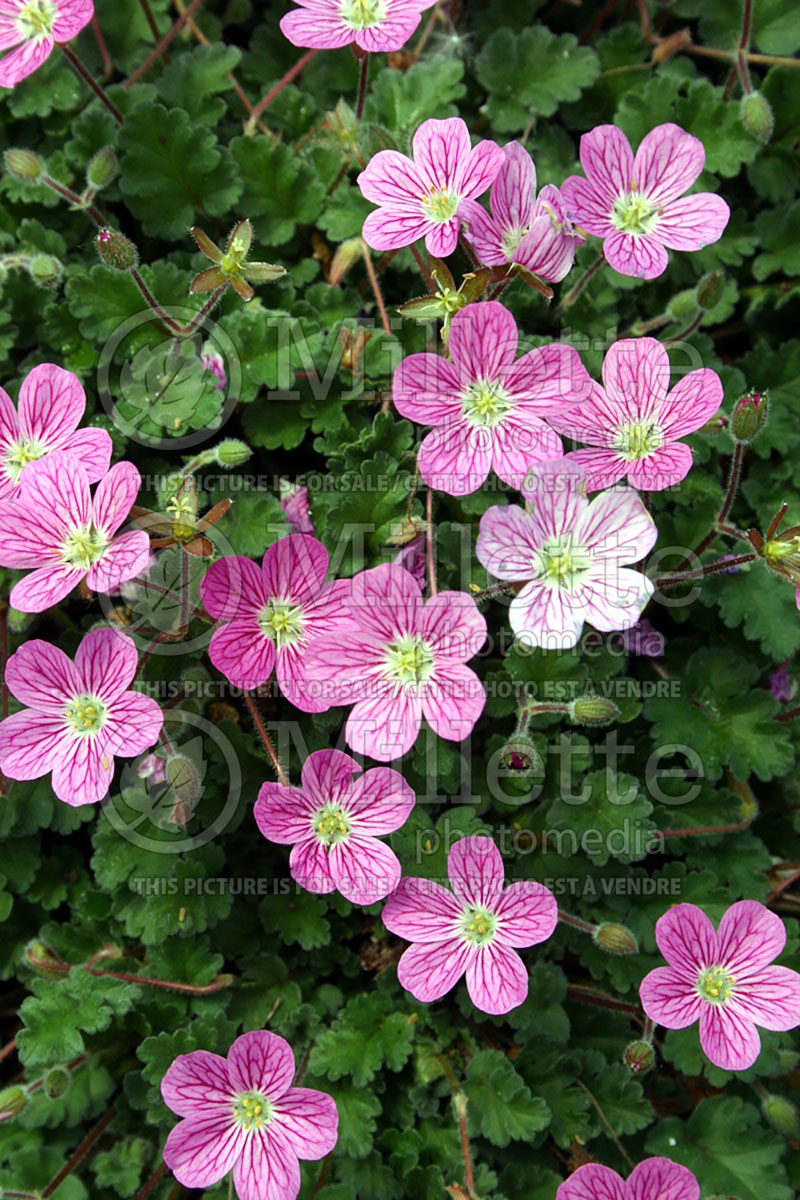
x: 723, y: 979
x: 412, y: 557
x: 373, y: 25
x: 421, y: 198
x: 633, y: 422
x: 242, y: 1114
x: 635, y: 204
x: 486, y: 405
x: 570, y: 555
x: 333, y: 822
x: 402, y: 659
x: 34, y: 27
x: 294, y: 502
x: 79, y: 716
x: 475, y: 928
x: 271, y: 614
x: 56, y: 528
x: 651, y: 1179
x: 523, y: 228
x: 51, y: 404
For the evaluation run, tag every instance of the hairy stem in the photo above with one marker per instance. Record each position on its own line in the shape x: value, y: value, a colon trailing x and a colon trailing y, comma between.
x: 91, y: 83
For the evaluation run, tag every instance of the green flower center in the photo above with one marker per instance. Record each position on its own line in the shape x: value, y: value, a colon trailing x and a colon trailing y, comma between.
x: 409, y: 661
x: 440, y: 205
x: 478, y: 926
x: 562, y: 562
x: 86, y: 714
x: 638, y: 439
x: 362, y: 14
x: 716, y: 985
x: 486, y: 403
x: 511, y: 239
x: 282, y: 622
x: 634, y: 213
x: 251, y: 1110
x: 36, y: 18
x: 331, y: 825
x: 84, y: 546
x: 20, y: 454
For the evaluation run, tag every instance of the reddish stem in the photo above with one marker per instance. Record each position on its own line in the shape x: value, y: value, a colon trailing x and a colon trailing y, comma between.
x: 265, y: 738
x: 167, y: 40
x: 265, y: 102
x: 190, y: 989
x: 94, y: 1133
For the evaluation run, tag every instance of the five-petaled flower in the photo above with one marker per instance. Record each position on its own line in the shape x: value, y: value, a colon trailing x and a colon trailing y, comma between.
x: 30, y: 29
x: 242, y: 1114
x: 651, y: 1179
x: 636, y: 205
x: 475, y: 928
x: 523, y: 228
x: 79, y: 715
x: 401, y: 659
x: 632, y: 424
x: 271, y: 613
x: 372, y: 25
x: 51, y: 404
x: 420, y: 197
x: 57, y: 528
x: 570, y: 555
x: 724, y: 979
x: 486, y: 404
x: 333, y: 822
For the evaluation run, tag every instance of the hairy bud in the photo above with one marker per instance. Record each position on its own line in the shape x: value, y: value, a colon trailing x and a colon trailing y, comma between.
x: 45, y: 270
x: 710, y: 290
x: 56, y: 1082
x: 102, y: 169
x: 639, y: 1057
x: 232, y: 453
x: 757, y: 116
x: 749, y: 416
x: 12, y: 1101
x: 593, y: 710
x: 520, y: 755
x: 783, y: 1116
x: 24, y: 165
x: 44, y: 961
x: 615, y: 939
x: 116, y: 251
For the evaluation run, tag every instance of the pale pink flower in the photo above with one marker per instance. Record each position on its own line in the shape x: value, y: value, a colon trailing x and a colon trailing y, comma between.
x: 723, y: 978
x: 294, y: 502
x: 632, y: 424
x: 636, y: 205
x: 65, y: 535
x: 51, y: 404
x: 413, y: 558
x: 570, y: 555
x: 242, y: 1114
x: 271, y: 613
x: 523, y: 228
x: 333, y: 822
x: 214, y: 363
x: 34, y: 27
x: 79, y: 716
x: 372, y: 25
x: 651, y: 1179
x: 486, y: 405
x: 401, y: 660
x: 475, y: 928
x: 420, y: 197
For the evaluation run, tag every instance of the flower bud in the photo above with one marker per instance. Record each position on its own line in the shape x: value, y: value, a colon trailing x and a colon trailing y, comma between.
x: 232, y: 453
x: 102, y: 169
x: 783, y: 1116
x: 683, y: 306
x: 184, y: 779
x: 12, y: 1101
x: 749, y: 416
x: 44, y: 269
x: 56, y: 1082
x: 44, y: 961
x: 376, y: 138
x: 116, y: 251
x: 346, y: 256
x: 639, y: 1057
x: 593, y: 710
x: 710, y: 290
x: 615, y: 939
x: 17, y: 621
x: 24, y: 165
x: 757, y: 116
x: 520, y: 755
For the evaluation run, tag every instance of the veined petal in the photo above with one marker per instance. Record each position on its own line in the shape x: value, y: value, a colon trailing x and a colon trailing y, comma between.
x: 430, y: 970
x: 261, y: 1062
x: 667, y: 163
x: 497, y: 980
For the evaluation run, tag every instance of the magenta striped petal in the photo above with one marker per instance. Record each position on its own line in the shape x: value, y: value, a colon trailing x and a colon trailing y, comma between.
x: 202, y: 1150
x: 30, y: 744
x: 126, y: 557
x: 693, y: 221
x: 198, y: 1084
x: 133, y: 725
x: 670, y: 998
x: 687, y: 939
x: 115, y: 495
x: 83, y: 771
x: 661, y: 1179
x: 528, y: 914
x: 750, y: 937
x: 476, y: 872
x: 728, y: 1037
x: 693, y: 401
x: 308, y: 1121
x: 23, y: 61
x: 661, y: 468
x: 497, y: 979
x: 545, y: 617
x: 483, y: 341
x: 607, y: 160
x: 384, y: 726
x: 283, y: 814
x: 514, y: 188
x: 261, y: 1062
x: 483, y: 232
x: 593, y: 1182
x: 587, y: 206
x: 242, y: 653
x: 453, y: 700
x: 455, y: 459
x: 421, y: 910
x: 379, y: 801
x: 233, y: 586
x: 267, y: 1168
x: 107, y: 661
x: 40, y: 675
x: 309, y: 864
x: 44, y: 588
x: 364, y: 869
x: 636, y: 376
x: 642, y: 256
x: 71, y: 17
x: 667, y: 163
x: 430, y: 970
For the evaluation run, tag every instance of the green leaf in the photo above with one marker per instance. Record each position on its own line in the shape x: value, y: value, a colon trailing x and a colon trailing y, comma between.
x: 402, y: 100
x: 528, y: 74
x: 604, y: 815
x: 298, y: 918
x: 500, y: 1105
x: 779, y: 230
x: 367, y: 1035
x: 195, y: 81
x: 59, y: 1012
x: 279, y: 189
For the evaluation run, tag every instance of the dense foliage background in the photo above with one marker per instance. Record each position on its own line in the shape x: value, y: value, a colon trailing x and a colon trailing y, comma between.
x: 212, y: 905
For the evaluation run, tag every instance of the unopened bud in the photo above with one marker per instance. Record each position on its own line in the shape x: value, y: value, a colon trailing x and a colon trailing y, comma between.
x: 117, y: 251
x: 521, y: 756
x: 639, y: 1057
x: 346, y: 256
x: 683, y: 305
x: 710, y: 290
x: 615, y: 939
x: 593, y: 710
x: 757, y: 116
x: 184, y: 779
x: 56, y: 1082
x: 376, y: 138
x: 12, y: 1101
x: 45, y: 269
x: 17, y: 621
x: 44, y: 961
x: 783, y: 1116
x: 232, y: 453
x: 749, y: 416
x: 24, y: 165
x: 102, y: 169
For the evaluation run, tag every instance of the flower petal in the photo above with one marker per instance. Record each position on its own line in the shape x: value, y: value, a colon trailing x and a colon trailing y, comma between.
x: 476, y: 872
x: 23, y: 61
x: 308, y: 1121
x: 261, y: 1062
x: 41, y: 676
x: 667, y: 163
x: 294, y: 567
x: 593, y: 1182
x: 379, y: 801
x: 497, y: 979
x: 750, y: 937
x: 197, y: 1082
x: 692, y: 402
x: 771, y: 998
x: 201, y: 1151
x: 483, y: 341
x: 115, y: 495
x: 670, y: 999
x: 729, y: 1038
x: 44, y: 588
x: 607, y: 160
x: 83, y: 771
x: 242, y: 653
x: 527, y: 913
x: 421, y: 910
x: 642, y: 256
x: 283, y: 814
x: 453, y: 700
x: 687, y: 939
x: 661, y: 1179
x: 588, y: 206
x: 30, y: 744
x: 660, y: 468
x: 107, y: 662
x: 267, y: 1168
x: 429, y: 971
x: 693, y: 222
x: 232, y: 586
x: 51, y: 404
x: 514, y: 187
x: 126, y: 557
x: 364, y: 869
